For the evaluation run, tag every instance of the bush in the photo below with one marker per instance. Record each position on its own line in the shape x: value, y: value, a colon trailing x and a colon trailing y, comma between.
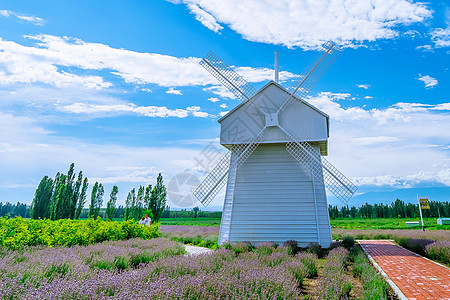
x: 439, y: 251
x: 16, y: 233
x: 316, y: 249
x: 415, y: 245
x: 348, y: 242
x: 242, y: 247
x: 292, y: 247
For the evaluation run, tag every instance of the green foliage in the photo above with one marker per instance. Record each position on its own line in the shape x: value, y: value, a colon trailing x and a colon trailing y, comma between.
x: 348, y: 242
x: 131, y: 198
x: 96, y: 200
x: 16, y: 233
x: 40, y: 207
x: 158, y: 198
x: 58, y: 198
x: 316, y: 249
x: 81, y: 199
x: 373, y: 284
x: 111, y: 205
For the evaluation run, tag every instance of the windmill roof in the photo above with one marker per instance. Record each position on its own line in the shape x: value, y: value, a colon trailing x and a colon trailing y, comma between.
x: 263, y: 88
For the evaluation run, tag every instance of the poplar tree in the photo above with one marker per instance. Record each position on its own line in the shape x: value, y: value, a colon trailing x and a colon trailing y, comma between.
x: 40, y: 207
x: 96, y: 200
x: 111, y: 205
x: 158, y: 198
x: 81, y: 199
x: 128, y: 204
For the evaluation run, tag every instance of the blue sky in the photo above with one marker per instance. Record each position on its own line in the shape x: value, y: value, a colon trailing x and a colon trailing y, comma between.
x: 115, y: 86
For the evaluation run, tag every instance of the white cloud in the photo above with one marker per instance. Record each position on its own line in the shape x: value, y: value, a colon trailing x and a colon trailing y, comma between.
x: 32, y: 19
x: 368, y: 97
x: 45, y: 61
x: 384, y: 146
x: 173, y: 91
x: 220, y: 91
x: 148, y: 111
x: 213, y: 99
x: 441, y: 37
x: 364, y: 86
x: 295, y: 23
x: 428, y: 80
x: 146, y: 90
x: 223, y: 105
x: 205, y: 18
x: 407, y: 181
x: 223, y: 113
x: 425, y: 48
x: 366, y: 141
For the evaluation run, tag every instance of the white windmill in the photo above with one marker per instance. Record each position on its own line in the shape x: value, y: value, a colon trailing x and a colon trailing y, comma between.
x: 274, y: 169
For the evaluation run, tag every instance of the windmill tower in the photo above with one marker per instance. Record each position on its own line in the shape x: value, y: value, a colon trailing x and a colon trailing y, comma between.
x: 274, y: 169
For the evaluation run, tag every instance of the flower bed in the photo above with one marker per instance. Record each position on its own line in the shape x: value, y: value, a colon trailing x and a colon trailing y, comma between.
x: 115, y: 270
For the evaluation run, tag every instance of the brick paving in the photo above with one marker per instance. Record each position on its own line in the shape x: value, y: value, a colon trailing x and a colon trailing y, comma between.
x: 416, y: 277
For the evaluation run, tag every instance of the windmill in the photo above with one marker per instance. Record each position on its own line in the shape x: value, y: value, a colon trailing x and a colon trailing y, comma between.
x: 274, y: 169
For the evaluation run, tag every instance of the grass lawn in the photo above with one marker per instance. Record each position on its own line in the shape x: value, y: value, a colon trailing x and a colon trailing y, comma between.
x: 430, y: 223
x: 191, y: 221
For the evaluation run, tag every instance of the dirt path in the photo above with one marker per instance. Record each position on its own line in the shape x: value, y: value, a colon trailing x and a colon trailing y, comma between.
x: 410, y: 275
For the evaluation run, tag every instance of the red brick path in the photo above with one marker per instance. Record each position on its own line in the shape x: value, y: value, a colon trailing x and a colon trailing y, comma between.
x: 417, y: 277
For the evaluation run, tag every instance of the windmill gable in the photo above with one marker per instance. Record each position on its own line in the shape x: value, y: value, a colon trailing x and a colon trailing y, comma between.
x: 299, y: 118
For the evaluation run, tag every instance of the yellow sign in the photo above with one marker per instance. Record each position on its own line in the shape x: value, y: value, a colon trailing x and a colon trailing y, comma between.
x: 424, y: 204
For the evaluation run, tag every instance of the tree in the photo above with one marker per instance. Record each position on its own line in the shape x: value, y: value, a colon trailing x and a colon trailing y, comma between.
x: 81, y: 200
x: 111, y: 205
x: 195, y: 210
x: 158, y: 199
x: 96, y: 200
x: 40, y: 207
x: 138, y: 203
x: 128, y: 204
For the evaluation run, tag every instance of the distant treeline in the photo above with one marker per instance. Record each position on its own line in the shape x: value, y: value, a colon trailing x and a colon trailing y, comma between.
x: 14, y: 210
x: 194, y: 213
x: 397, y: 209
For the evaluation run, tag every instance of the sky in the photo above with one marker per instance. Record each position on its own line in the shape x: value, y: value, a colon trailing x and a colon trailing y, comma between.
x: 116, y: 88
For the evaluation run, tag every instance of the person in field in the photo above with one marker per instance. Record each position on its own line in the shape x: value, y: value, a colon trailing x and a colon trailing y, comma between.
x: 142, y: 221
x: 148, y: 221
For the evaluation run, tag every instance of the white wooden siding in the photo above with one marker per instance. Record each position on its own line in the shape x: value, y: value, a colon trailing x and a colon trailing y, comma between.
x: 273, y: 200
x: 244, y: 123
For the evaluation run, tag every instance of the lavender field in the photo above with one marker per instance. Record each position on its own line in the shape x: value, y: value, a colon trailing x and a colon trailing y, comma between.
x: 154, y: 269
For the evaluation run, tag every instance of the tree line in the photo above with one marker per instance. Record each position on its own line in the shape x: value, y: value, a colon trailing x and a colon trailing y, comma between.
x: 64, y: 198
x: 397, y: 209
x: 14, y: 210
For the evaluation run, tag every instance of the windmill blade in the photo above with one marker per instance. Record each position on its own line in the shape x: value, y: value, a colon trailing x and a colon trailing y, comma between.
x: 321, y: 168
x: 216, y: 179
x: 308, y: 79
x: 311, y: 75
x: 228, y: 77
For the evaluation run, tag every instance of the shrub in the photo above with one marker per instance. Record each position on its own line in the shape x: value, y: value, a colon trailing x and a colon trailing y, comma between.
x: 242, y: 247
x: 292, y: 247
x: 316, y: 249
x: 415, y: 245
x: 16, y: 233
x: 348, y: 242
x: 439, y: 251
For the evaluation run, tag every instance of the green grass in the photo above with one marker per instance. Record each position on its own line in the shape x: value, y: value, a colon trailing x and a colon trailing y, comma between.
x: 191, y: 221
x: 430, y: 223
